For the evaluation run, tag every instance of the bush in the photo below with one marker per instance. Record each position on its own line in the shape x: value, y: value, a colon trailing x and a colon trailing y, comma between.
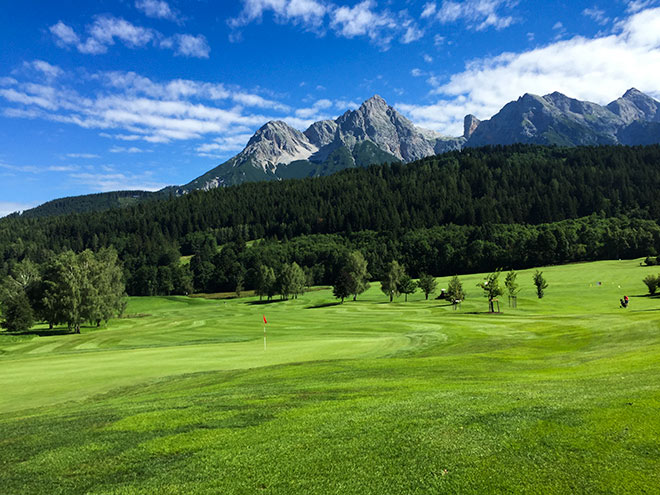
x: 652, y: 283
x: 651, y: 260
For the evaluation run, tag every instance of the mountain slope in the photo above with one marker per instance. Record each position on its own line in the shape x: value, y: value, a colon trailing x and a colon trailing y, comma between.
x: 556, y: 119
x: 375, y: 133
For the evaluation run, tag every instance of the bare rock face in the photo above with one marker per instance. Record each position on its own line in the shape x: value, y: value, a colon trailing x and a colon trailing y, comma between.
x: 551, y: 119
x: 374, y: 133
x: 277, y: 143
x: 322, y: 133
x: 634, y: 106
x: 378, y: 122
x: 470, y: 124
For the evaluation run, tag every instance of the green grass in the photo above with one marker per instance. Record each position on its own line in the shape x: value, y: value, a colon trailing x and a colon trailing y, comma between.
x: 561, y: 395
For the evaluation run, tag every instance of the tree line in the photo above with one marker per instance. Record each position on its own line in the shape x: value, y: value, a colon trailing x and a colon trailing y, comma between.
x: 517, y: 184
x: 438, y: 216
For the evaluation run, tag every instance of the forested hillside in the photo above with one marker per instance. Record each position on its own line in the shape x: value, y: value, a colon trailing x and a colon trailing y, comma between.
x: 476, y: 209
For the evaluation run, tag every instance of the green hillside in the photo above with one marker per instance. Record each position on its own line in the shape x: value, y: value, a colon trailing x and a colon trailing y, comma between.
x: 558, y: 396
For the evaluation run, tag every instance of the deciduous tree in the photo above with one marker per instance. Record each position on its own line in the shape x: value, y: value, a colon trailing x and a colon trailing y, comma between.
x: 455, y: 291
x: 427, y: 284
x: 492, y: 289
x: 540, y: 283
x: 407, y: 286
x: 390, y: 283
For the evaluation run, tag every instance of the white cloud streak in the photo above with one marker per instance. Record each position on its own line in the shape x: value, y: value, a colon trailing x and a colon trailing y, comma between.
x: 107, y: 30
x: 129, y: 107
x: 7, y: 207
x: 362, y: 19
x: 115, y: 181
x: 82, y: 155
x: 477, y: 14
x: 597, y: 15
x: 157, y: 9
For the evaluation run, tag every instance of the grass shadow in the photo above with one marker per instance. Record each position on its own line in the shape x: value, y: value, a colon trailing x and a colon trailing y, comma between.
x: 482, y: 313
x: 260, y: 303
x: 43, y: 332
x: 324, y: 305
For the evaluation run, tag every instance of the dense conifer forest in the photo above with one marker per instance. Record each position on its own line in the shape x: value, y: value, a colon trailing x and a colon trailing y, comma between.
x: 473, y: 210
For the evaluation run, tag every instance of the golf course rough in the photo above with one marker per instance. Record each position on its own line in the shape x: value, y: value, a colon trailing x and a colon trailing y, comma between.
x: 561, y: 395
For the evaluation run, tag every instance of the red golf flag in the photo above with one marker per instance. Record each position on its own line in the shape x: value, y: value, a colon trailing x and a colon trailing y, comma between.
x: 264, y: 319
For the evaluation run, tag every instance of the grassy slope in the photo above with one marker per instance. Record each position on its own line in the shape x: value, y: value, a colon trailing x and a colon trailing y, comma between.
x: 561, y: 395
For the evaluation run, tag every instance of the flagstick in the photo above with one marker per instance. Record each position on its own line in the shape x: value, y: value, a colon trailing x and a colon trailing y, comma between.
x: 264, y: 337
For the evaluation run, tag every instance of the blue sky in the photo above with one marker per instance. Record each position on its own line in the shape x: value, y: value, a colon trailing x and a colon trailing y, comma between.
x: 140, y: 94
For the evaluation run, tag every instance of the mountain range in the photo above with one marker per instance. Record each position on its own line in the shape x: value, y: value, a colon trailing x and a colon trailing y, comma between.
x: 376, y: 133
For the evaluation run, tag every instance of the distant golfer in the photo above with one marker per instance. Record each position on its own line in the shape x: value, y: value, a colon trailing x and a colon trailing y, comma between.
x: 624, y: 302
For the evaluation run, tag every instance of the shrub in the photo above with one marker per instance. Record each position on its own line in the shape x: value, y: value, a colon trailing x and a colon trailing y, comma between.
x: 652, y: 283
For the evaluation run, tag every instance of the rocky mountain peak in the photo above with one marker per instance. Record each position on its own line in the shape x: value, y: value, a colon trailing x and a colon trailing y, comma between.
x: 636, y: 106
x: 470, y: 124
x: 633, y: 93
x: 377, y: 133
x: 277, y: 142
x: 376, y: 101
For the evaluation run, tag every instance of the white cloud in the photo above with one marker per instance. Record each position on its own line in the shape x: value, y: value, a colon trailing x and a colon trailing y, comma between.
x: 429, y: 10
x: 576, y: 67
x: 64, y: 35
x: 82, y: 155
x: 638, y: 5
x: 307, y: 12
x: 129, y: 107
x: 29, y: 169
x: 315, y: 111
x: 7, y: 207
x: 348, y: 21
x: 478, y: 14
x: 118, y: 181
x: 158, y: 9
x: 63, y: 168
x: 416, y: 72
x: 427, y: 58
x: 46, y: 69
x: 412, y: 33
x: 188, y: 45
x: 224, y: 145
x: 15, y: 96
x: 597, y: 15
x: 361, y: 20
x: 135, y: 84
x: 132, y: 149
x: 107, y: 30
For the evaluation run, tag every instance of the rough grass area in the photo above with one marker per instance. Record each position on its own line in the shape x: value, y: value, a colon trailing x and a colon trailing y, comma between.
x: 561, y: 395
